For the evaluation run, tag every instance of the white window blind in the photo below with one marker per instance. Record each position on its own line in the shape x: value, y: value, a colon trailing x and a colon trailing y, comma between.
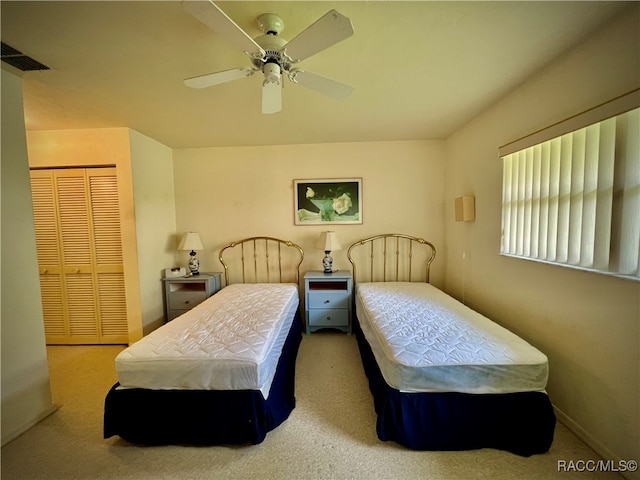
x: 571, y: 193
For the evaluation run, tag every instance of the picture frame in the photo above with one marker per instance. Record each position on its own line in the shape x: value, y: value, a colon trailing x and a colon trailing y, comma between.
x: 328, y: 201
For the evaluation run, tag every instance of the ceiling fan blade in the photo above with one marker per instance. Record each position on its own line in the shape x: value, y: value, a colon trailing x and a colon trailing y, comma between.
x: 218, y: 21
x: 331, y: 28
x: 320, y: 84
x: 210, y: 79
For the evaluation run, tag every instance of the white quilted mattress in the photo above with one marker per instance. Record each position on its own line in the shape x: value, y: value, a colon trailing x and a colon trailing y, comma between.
x: 231, y: 341
x: 426, y: 341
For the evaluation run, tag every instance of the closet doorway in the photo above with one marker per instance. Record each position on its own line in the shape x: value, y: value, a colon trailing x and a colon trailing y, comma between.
x: 79, y: 247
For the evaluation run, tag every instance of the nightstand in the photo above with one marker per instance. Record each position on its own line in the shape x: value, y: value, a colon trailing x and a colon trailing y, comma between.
x: 328, y: 300
x: 181, y: 294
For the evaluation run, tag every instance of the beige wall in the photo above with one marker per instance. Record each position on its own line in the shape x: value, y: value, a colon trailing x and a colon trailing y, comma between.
x: 586, y: 323
x: 230, y: 193
x: 26, y: 394
x: 155, y: 212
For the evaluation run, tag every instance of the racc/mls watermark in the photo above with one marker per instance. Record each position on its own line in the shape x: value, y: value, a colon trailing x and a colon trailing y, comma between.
x: 597, y: 466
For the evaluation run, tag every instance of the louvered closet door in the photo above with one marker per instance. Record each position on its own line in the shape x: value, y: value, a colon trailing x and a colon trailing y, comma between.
x: 107, y: 241
x: 88, y: 292
x: 75, y: 240
x: 49, y: 258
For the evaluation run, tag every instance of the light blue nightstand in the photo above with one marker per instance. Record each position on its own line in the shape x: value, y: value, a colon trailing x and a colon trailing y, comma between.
x: 328, y: 300
x: 181, y: 294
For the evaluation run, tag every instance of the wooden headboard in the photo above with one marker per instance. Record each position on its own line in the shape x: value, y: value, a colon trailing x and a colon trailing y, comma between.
x: 391, y: 257
x: 261, y: 260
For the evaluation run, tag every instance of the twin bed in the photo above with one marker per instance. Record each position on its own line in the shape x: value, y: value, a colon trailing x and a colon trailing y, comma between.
x: 222, y: 373
x: 443, y: 377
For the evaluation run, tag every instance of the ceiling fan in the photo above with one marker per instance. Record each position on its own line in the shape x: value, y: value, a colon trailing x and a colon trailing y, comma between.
x: 271, y: 54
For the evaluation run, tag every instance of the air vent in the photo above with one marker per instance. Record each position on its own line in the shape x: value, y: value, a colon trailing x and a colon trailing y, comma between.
x: 19, y: 60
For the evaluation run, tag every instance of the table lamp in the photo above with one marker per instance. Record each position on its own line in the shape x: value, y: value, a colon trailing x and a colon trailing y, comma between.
x: 328, y: 241
x: 191, y: 241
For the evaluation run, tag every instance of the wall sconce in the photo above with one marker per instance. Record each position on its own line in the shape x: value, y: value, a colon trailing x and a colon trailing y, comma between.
x: 465, y: 208
x: 191, y: 241
x: 328, y: 241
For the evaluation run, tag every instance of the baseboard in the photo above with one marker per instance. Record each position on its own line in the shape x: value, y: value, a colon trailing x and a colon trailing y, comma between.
x: 11, y: 436
x: 594, y: 444
x: 153, y: 325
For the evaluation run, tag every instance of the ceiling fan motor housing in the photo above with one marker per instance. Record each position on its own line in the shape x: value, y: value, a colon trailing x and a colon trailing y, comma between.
x: 272, y: 45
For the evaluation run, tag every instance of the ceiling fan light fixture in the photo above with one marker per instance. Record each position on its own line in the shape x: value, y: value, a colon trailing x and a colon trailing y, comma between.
x: 271, y: 74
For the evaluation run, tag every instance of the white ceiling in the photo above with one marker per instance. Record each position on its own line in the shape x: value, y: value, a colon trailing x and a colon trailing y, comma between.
x: 420, y: 69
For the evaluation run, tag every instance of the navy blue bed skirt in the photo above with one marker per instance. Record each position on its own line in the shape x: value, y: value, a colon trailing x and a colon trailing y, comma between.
x: 205, y: 417
x: 521, y: 423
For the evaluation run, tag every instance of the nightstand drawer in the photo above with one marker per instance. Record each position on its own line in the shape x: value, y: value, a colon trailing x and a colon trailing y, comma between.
x: 329, y: 317
x: 186, y: 300
x: 328, y: 300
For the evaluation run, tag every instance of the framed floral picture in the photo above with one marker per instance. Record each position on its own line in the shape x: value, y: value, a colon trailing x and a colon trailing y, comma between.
x: 328, y: 201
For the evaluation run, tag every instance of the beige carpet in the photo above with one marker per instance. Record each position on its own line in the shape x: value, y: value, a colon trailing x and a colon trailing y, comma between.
x: 330, y: 434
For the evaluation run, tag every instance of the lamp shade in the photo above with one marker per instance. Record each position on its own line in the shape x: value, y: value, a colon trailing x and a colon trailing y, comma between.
x: 328, y: 241
x: 190, y: 241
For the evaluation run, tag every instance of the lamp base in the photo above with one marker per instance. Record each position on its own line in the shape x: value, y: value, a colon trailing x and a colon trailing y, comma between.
x: 327, y: 262
x: 194, y: 264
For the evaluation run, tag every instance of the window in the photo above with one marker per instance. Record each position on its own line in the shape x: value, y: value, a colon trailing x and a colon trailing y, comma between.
x: 571, y: 193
